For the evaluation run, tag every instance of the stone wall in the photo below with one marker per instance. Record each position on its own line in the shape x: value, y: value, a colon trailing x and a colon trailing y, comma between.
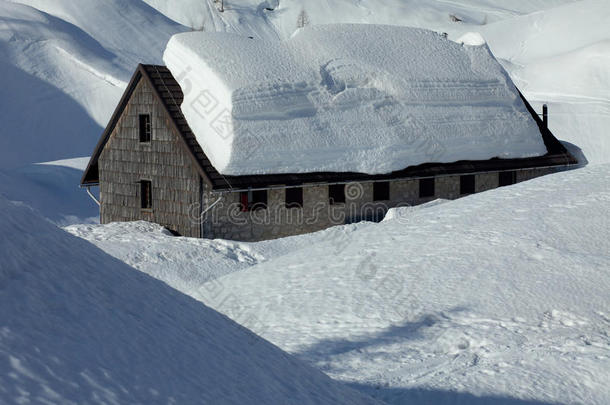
x: 125, y: 161
x: 226, y: 221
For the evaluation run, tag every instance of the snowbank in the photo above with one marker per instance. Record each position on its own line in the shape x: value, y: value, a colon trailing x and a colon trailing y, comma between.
x: 450, y: 302
x: 78, y: 326
x: 321, y: 101
x: 468, y: 296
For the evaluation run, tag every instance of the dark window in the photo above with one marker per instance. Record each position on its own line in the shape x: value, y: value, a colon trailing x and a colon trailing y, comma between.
x: 467, y: 184
x: 145, y: 128
x: 146, y: 194
x: 336, y: 193
x: 507, y: 178
x: 253, y: 200
x: 381, y: 191
x: 426, y: 188
x: 294, y: 197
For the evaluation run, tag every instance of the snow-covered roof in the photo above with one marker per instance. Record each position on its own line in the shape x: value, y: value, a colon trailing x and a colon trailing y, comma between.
x: 347, y: 98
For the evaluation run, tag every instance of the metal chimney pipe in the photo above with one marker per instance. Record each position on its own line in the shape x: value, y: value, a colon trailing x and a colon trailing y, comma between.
x: 545, y: 115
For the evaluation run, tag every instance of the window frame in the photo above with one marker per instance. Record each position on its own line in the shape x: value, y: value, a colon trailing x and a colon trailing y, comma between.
x: 146, y: 203
x: 254, y: 200
x: 468, y: 182
x: 333, y: 191
x: 381, y: 191
x: 293, y: 197
x: 145, y: 128
x: 422, y: 187
x: 512, y: 180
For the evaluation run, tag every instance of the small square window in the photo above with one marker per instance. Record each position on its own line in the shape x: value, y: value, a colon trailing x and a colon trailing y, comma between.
x: 253, y: 200
x: 427, y: 188
x: 145, y: 128
x: 146, y: 194
x: 507, y: 178
x: 336, y: 193
x: 381, y: 191
x: 294, y: 197
x: 467, y: 184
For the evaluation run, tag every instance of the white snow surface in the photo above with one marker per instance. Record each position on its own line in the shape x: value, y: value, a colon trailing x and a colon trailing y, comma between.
x: 78, y: 326
x: 324, y: 101
x: 496, y: 298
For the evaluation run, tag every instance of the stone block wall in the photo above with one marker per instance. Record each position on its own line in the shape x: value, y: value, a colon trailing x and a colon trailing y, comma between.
x: 227, y: 221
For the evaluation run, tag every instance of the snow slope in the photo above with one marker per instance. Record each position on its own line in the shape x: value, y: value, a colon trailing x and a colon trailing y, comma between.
x: 561, y: 56
x: 251, y: 17
x: 500, y: 297
x: 78, y: 326
x: 321, y: 101
x: 67, y: 63
x: 52, y: 189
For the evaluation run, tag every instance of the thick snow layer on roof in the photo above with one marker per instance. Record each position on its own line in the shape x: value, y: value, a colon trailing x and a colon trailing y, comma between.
x: 363, y: 98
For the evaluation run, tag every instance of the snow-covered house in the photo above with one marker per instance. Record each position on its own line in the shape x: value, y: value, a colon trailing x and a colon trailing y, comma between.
x: 245, y: 139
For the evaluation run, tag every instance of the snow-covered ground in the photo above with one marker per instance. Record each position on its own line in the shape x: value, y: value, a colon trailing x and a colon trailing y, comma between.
x: 321, y: 101
x: 78, y: 326
x: 500, y: 297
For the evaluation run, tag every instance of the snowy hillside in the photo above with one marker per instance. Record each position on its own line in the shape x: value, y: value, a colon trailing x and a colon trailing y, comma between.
x: 79, y: 326
x: 67, y: 64
x: 500, y: 297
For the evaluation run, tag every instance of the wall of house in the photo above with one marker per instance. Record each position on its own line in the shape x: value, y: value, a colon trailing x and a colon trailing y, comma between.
x: 125, y: 161
x: 225, y: 220
x: 177, y: 188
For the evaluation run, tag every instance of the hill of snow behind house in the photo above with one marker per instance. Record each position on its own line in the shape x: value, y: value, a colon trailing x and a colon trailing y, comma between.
x: 561, y: 57
x: 499, y: 297
x: 78, y: 326
x: 64, y: 66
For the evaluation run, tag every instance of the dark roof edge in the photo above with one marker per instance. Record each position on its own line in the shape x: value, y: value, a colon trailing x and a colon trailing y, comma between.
x: 173, y: 123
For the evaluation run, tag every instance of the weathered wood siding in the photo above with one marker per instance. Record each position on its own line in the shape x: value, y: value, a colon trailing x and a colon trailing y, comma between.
x: 125, y: 161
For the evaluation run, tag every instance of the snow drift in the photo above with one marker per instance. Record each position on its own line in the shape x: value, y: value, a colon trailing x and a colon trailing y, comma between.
x: 78, y: 326
x: 451, y: 302
x: 321, y: 101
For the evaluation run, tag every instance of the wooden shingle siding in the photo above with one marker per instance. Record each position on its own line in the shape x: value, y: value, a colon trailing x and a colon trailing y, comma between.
x: 125, y: 161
